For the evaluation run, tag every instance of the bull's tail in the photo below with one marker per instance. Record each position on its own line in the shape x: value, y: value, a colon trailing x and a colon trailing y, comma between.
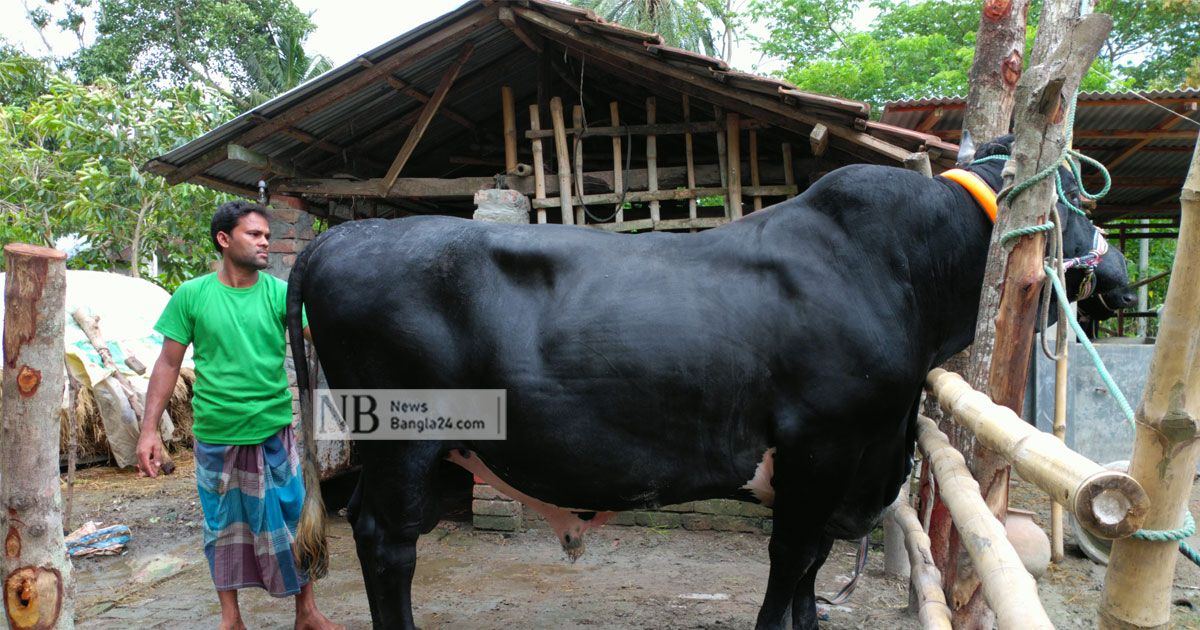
x: 311, y: 545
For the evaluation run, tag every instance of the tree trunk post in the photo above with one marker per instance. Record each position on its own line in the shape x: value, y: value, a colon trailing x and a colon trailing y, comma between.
x: 1137, y: 586
x: 37, y: 573
x: 1013, y: 277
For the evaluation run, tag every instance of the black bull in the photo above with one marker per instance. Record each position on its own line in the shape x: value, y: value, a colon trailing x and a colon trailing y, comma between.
x: 660, y: 368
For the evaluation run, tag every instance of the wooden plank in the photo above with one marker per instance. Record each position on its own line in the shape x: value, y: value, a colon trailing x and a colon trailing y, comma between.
x: 431, y: 108
x: 577, y: 145
x: 259, y: 161
x: 509, y: 114
x: 676, y: 194
x: 509, y: 20
x: 405, y: 87
x: 754, y: 181
x: 660, y: 129
x: 564, y: 160
x: 734, y: 141
x: 818, y: 140
x: 539, y: 167
x: 789, y: 174
x: 614, y: 111
x: 930, y: 119
x: 652, y: 158
x: 447, y: 36
x: 722, y: 156
x: 688, y: 155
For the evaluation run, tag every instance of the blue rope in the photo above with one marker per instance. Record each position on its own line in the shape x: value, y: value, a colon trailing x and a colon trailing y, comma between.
x: 1061, y: 292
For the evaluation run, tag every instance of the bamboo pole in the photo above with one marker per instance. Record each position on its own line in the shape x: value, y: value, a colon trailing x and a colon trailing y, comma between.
x: 925, y: 578
x: 1108, y: 503
x: 577, y: 143
x: 1007, y: 586
x: 38, y: 577
x: 1137, y: 587
x: 789, y: 174
x: 1060, y: 432
x: 652, y: 158
x: 510, y: 129
x: 733, y: 140
x: 722, y: 157
x: 895, y: 557
x: 539, y: 166
x: 754, y: 181
x: 614, y: 111
x: 688, y: 154
x: 564, y: 160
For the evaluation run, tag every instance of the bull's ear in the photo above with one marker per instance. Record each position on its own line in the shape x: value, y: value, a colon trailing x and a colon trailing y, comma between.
x: 966, y: 150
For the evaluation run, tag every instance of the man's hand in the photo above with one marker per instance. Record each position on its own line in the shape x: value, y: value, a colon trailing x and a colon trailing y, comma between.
x: 149, y: 454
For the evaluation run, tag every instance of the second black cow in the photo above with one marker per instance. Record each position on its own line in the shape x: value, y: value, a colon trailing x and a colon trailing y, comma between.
x: 777, y: 359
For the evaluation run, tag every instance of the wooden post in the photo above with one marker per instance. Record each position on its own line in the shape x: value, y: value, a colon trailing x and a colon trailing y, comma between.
x: 38, y: 577
x: 652, y: 158
x: 614, y: 111
x: 1060, y: 432
x: 510, y: 129
x: 1013, y: 276
x: 754, y: 181
x: 72, y: 447
x: 91, y: 328
x: 789, y: 173
x: 1000, y: 46
x: 733, y: 140
x: 577, y: 143
x: 688, y: 154
x: 564, y: 160
x: 1008, y: 587
x: 722, y: 157
x: 1137, y: 586
x: 818, y: 140
x: 539, y: 166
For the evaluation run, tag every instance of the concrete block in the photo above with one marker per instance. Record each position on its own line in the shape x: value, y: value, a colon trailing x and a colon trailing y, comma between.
x: 495, y: 508
x: 678, y: 507
x: 668, y: 520
x: 484, y: 491
x: 623, y: 518
x: 501, y: 206
x: 696, y: 522
x: 497, y: 523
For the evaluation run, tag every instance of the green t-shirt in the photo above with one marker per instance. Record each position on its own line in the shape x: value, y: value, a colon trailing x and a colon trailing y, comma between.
x: 241, y: 391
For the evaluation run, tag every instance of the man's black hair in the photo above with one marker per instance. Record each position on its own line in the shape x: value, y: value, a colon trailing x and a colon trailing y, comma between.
x: 227, y: 216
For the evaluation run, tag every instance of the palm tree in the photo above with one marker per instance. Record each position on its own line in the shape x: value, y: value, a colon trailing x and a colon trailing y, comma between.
x: 284, y: 66
x: 690, y: 24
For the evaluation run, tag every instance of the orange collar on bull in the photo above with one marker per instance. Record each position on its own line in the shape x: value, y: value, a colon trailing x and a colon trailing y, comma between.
x: 978, y: 188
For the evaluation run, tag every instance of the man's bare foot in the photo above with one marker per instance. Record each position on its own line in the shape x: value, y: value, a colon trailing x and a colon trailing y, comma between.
x: 235, y: 624
x: 312, y: 619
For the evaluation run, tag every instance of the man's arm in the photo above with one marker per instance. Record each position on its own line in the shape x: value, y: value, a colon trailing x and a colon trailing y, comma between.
x: 162, y: 385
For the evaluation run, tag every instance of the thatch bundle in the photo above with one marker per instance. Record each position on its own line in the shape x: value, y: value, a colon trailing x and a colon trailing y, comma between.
x: 89, y: 429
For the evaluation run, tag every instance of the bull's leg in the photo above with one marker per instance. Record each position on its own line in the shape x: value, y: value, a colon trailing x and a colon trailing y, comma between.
x: 394, y: 499
x: 808, y: 485
x: 804, y: 601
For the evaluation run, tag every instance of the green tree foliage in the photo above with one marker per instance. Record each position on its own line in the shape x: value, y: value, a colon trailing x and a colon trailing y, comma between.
x: 249, y: 49
x: 704, y: 26
x: 70, y: 158
x: 924, y: 48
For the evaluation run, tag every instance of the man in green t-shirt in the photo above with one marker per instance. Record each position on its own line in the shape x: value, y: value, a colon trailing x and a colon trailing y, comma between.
x: 247, y: 466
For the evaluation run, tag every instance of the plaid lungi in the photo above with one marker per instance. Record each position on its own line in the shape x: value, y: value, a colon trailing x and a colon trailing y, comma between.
x: 251, y: 496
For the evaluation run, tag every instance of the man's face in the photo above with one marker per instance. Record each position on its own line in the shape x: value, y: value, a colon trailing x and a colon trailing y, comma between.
x: 247, y: 245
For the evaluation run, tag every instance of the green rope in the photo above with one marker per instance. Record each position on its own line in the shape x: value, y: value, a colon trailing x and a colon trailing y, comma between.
x: 1025, y: 231
x: 1096, y: 165
x: 1061, y: 292
x: 1187, y: 531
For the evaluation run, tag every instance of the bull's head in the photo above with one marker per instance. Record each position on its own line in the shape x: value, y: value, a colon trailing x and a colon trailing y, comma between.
x: 1096, y: 274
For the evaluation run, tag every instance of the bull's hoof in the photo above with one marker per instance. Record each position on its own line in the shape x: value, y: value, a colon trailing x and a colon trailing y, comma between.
x: 572, y: 545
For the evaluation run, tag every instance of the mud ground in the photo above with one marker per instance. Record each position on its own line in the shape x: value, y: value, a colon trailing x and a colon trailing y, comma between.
x: 628, y: 578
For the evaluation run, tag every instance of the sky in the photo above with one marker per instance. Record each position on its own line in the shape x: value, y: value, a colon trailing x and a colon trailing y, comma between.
x: 342, y: 32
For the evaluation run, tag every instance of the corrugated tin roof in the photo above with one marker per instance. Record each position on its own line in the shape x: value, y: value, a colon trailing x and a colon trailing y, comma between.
x: 353, y: 119
x: 1147, y: 137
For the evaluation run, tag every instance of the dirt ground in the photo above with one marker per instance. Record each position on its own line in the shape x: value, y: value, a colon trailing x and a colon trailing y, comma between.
x: 628, y: 578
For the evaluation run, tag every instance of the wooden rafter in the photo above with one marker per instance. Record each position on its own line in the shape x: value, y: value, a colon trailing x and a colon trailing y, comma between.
x: 507, y: 18
x: 427, y: 113
x: 1168, y: 123
x: 404, y: 87
x: 930, y: 119
x: 633, y: 67
x: 449, y: 35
